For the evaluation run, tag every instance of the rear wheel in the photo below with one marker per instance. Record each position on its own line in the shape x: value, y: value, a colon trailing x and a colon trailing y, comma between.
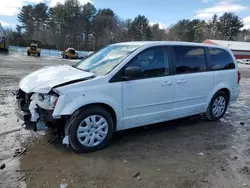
x: 90, y: 129
x: 38, y: 54
x: 28, y: 53
x: 217, y: 106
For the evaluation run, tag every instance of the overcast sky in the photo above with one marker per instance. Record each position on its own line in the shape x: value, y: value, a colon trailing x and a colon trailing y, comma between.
x: 164, y: 12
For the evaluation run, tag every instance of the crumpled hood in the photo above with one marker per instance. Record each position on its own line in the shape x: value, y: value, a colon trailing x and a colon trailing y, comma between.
x: 43, y: 80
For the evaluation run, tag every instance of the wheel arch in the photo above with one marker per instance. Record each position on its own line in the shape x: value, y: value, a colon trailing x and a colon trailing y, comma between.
x: 103, y: 105
x: 219, y: 87
x: 227, y: 92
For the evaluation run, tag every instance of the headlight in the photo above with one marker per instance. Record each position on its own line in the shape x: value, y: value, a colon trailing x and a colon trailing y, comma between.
x: 47, y: 101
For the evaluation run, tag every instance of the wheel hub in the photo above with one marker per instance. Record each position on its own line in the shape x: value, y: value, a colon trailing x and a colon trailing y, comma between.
x: 92, y: 130
x: 219, y: 106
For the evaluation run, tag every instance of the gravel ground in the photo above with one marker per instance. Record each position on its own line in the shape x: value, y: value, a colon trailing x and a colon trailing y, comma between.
x: 190, y: 152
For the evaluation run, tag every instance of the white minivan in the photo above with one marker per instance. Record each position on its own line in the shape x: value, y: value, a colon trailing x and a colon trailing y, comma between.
x: 128, y: 85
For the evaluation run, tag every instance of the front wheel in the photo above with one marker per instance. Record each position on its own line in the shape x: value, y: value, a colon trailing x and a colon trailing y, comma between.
x: 217, y: 106
x: 38, y: 54
x: 90, y: 129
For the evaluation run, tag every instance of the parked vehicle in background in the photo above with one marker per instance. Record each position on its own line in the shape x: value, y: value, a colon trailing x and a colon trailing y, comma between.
x: 70, y: 53
x: 34, y: 49
x: 3, y: 41
x: 244, y: 61
x: 128, y: 85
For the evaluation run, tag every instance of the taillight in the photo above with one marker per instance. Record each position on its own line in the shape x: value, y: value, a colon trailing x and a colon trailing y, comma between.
x: 239, y: 77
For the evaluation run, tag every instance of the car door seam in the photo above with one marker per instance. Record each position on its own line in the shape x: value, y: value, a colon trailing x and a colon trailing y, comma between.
x: 148, y: 105
x: 191, y: 98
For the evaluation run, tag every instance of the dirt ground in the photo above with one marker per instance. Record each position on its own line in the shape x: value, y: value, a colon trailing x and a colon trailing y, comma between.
x: 190, y: 152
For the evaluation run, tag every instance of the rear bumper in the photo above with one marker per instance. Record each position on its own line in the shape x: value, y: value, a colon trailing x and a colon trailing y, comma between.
x: 235, y: 94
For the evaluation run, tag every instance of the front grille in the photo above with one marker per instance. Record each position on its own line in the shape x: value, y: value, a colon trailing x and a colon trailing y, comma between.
x: 23, y: 100
x: 33, y: 47
x: 72, y: 51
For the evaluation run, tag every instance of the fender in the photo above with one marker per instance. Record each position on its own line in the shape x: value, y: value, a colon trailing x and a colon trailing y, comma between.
x: 218, y: 87
x: 64, y: 107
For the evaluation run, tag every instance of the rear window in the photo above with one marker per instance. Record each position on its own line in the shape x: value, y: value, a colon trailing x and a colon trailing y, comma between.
x: 189, y: 59
x: 220, y: 59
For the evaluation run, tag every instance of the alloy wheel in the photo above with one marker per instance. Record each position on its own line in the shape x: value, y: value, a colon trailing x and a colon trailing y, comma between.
x: 219, y: 106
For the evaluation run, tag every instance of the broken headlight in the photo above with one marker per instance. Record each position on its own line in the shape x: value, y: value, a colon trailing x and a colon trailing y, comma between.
x: 47, y: 101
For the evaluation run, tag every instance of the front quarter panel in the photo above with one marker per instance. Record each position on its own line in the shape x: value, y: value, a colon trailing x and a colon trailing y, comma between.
x: 81, y: 94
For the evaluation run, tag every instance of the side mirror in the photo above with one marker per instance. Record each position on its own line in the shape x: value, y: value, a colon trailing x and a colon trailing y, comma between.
x: 132, y: 72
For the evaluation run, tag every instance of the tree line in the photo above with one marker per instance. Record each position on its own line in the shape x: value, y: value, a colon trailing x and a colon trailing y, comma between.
x: 86, y: 28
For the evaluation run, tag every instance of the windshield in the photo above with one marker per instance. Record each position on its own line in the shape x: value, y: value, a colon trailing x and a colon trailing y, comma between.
x: 106, y: 59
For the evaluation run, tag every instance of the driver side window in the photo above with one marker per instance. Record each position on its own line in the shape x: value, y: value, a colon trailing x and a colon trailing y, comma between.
x: 152, y: 61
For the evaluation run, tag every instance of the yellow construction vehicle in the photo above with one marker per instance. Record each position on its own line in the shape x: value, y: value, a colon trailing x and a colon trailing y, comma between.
x: 33, y: 49
x: 70, y: 53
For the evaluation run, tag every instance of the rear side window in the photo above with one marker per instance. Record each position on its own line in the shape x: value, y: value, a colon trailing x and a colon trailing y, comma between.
x: 189, y: 59
x: 220, y: 59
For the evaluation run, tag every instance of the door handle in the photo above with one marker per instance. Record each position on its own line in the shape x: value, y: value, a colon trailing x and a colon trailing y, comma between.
x: 166, y: 83
x: 182, y: 81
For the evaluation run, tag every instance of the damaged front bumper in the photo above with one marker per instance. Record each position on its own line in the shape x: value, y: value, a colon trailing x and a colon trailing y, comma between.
x: 37, y: 125
x: 24, y: 116
x: 25, y: 111
x: 37, y: 118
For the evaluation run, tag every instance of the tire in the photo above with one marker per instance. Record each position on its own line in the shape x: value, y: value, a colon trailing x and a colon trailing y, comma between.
x: 91, y: 139
x: 66, y: 57
x: 211, y: 113
x: 38, y: 54
x: 28, y: 53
